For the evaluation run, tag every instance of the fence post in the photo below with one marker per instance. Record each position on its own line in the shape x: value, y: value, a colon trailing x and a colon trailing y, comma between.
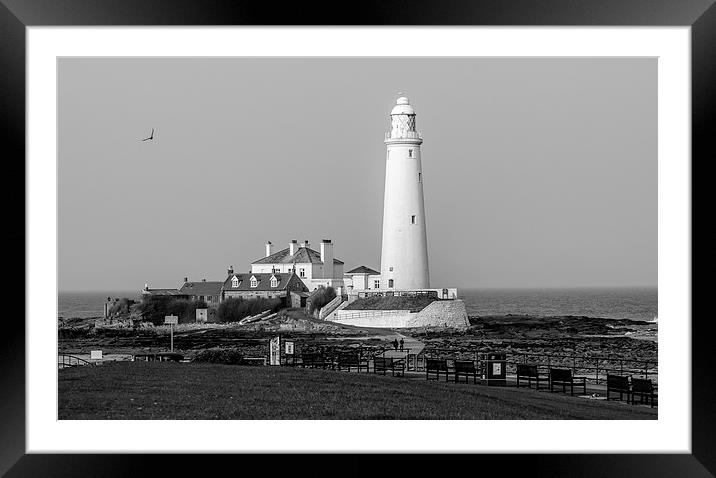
x: 597, y: 378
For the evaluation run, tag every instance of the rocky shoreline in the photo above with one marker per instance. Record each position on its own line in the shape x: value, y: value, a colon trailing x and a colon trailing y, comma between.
x: 515, y: 334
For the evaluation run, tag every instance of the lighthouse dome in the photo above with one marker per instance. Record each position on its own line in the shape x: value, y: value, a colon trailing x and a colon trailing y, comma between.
x: 402, y: 107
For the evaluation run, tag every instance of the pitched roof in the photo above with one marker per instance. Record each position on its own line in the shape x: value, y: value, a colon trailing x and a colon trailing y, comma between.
x: 158, y: 292
x: 363, y: 270
x: 264, y: 281
x: 302, y: 255
x: 202, y: 288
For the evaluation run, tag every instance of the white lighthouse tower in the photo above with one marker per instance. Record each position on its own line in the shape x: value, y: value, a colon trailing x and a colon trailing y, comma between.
x: 404, y: 258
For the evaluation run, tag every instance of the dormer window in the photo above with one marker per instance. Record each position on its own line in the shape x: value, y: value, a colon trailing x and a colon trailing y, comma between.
x: 274, y: 281
x: 254, y: 282
x: 234, y: 282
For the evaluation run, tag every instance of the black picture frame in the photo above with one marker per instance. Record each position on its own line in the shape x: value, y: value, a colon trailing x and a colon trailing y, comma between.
x: 16, y: 15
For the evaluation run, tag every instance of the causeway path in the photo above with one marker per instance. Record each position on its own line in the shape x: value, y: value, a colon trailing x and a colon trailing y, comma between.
x: 409, y: 343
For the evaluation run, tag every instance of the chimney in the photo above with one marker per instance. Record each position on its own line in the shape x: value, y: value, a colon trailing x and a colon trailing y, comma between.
x: 292, y: 246
x: 269, y: 248
x: 203, y: 280
x: 146, y: 286
x: 230, y: 270
x: 327, y: 258
x: 186, y: 279
x: 305, y: 244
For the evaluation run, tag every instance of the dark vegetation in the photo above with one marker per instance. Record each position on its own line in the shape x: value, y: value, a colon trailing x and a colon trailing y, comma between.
x: 121, y: 307
x: 160, y: 391
x: 154, y: 309
x: 414, y: 304
x: 320, y: 298
x: 295, y: 313
x: 223, y: 356
x: 236, y: 308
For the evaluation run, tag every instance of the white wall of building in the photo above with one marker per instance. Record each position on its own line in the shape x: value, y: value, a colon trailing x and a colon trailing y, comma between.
x: 312, y: 274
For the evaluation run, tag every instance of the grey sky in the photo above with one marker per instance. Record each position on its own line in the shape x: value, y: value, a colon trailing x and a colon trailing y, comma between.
x: 537, y: 172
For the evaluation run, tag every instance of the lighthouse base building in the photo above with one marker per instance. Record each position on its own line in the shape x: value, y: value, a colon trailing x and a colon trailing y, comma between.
x: 404, y: 271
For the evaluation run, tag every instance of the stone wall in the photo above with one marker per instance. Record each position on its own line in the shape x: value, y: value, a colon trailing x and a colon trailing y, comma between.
x: 449, y: 313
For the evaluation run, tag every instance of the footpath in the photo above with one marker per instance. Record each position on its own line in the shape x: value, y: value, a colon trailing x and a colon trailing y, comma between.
x: 410, y: 345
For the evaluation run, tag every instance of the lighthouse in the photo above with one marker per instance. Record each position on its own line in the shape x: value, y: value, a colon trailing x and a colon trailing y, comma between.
x: 404, y: 255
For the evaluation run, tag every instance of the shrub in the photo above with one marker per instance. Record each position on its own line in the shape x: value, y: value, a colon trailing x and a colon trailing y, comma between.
x: 222, y: 356
x: 121, y: 307
x: 320, y: 298
x: 155, y: 308
x: 236, y: 308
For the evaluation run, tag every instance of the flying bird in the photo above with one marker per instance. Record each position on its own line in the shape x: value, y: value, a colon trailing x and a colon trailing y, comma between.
x: 151, y: 136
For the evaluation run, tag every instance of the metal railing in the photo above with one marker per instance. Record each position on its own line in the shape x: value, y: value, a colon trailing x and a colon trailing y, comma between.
x: 66, y: 360
x: 594, y: 367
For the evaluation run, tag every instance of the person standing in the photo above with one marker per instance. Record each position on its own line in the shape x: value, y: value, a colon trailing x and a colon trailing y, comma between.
x: 401, y: 344
x: 395, y: 344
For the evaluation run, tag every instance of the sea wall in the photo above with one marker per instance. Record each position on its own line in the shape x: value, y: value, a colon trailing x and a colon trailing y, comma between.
x: 448, y: 313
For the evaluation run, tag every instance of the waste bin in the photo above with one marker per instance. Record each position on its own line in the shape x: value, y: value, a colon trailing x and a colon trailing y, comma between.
x: 496, y: 373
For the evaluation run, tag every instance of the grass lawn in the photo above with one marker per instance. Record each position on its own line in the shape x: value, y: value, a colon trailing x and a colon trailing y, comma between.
x: 414, y: 304
x: 152, y: 390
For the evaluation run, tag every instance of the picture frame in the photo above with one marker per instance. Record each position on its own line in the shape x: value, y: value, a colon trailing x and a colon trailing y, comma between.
x: 15, y: 16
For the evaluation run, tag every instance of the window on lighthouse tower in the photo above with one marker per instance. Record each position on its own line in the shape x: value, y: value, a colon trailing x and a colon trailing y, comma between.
x: 410, y: 153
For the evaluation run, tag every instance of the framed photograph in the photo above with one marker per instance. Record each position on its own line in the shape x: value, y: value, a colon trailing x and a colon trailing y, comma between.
x: 523, y: 215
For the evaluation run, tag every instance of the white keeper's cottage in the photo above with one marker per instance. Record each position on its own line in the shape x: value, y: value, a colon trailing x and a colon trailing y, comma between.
x: 314, y: 268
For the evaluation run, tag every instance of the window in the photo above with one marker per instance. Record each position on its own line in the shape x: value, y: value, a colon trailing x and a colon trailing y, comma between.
x: 234, y: 282
x: 254, y: 282
x: 376, y: 284
x: 420, y: 177
x: 412, y: 219
x: 410, y: 153
x: 302, y: 272
x: 391, y: 269
x: 390, y: 283
x: 274, y: 281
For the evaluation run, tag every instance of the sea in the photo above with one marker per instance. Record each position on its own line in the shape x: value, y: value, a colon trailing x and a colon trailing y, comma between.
x: 623, y: 303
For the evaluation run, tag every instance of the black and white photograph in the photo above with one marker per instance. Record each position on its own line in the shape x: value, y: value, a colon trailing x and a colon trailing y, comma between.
x: 357, y: 238
x: 414, y: 229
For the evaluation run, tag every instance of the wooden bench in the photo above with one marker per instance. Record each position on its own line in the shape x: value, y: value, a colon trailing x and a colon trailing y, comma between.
x: 383, y: 364
x: 436, y: 366
x: 644, y: 388
x: 467, y: 368
x: 159, y: 357
x: 618, y: 384
x: 563, y: 377
x: 530, y: 373
x: 350, y: 360
x: 314, y: 360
